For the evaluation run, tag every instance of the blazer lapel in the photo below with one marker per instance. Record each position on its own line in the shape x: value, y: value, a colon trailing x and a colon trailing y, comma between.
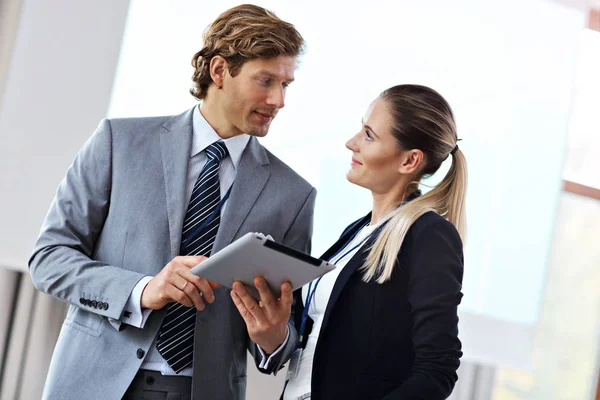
x: 175, y: 146
x: 250, y: 180
x: 353, y: 265
x: 346, y: 235
x: 355, y: 262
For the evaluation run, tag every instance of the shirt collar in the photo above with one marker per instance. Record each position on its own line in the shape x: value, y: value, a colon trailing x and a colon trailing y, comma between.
x: 204, y: 135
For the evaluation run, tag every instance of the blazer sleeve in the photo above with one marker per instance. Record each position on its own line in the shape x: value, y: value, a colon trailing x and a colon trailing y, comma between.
x: 299, y: 237
x: 434, y: 292
x: 61, y: 263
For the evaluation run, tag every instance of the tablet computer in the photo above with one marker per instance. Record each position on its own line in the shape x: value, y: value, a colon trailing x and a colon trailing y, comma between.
x: 255, y: 255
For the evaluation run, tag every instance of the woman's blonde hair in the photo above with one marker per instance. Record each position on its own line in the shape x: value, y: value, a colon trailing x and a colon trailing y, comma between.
x: 241, y: 34
x: 422, y: 119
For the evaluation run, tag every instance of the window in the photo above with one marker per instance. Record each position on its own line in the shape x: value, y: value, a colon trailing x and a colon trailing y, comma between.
x: 566, y: 347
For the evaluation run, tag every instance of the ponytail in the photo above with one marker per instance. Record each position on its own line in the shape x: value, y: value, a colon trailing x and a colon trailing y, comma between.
x: 447, y: 199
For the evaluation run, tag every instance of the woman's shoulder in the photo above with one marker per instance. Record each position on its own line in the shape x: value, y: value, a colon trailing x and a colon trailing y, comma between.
x: 430, y: 224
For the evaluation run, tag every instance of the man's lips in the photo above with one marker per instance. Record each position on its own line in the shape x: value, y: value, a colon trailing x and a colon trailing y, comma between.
x: 265, y: 115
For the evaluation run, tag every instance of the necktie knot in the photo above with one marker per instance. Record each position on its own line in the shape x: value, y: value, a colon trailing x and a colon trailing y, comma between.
x: 217, y: 151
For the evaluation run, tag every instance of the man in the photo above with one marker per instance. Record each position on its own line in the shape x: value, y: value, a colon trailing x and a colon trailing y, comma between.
x: 145, y: 200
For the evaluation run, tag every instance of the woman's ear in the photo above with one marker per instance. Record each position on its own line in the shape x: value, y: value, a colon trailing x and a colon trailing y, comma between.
x: 411, y: 160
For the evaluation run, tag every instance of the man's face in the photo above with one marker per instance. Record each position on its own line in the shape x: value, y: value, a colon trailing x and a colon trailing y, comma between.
x: 252, y: 98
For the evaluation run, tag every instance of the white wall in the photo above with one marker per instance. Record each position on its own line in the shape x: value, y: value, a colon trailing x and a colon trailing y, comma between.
x: 57, y: 90
x: 9, y: 18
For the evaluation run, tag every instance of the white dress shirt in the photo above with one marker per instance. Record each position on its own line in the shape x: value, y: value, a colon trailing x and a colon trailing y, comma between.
x: 299, y: 386
x: 203, y: 135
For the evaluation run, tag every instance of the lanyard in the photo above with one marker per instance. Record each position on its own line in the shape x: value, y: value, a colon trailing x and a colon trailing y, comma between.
x: 208, y: 220
x: 311, y: 293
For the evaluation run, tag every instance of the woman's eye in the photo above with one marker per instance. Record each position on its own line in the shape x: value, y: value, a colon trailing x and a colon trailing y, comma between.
x: 369, y: 136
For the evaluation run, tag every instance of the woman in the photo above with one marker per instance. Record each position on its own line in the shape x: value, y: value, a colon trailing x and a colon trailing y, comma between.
x: 383, y: 325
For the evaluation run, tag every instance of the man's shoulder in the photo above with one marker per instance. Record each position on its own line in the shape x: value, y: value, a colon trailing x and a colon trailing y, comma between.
x: 278, y: 167
x: 148, y: 123
x: 134, y: 123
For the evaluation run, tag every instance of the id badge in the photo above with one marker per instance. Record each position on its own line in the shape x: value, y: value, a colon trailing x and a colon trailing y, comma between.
x: 294, y: 364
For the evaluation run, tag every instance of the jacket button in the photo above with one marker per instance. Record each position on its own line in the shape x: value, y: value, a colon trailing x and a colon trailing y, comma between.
x: 81, y: 300
x: 94, y: 304
x: 105, y: 306
x: 140, y: 353
x: 87, y: 302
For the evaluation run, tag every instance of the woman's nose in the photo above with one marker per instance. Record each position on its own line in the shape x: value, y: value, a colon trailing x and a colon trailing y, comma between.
x: 351, y: 143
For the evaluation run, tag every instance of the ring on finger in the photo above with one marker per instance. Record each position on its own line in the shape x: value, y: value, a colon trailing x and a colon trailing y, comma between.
x: 183, y: 288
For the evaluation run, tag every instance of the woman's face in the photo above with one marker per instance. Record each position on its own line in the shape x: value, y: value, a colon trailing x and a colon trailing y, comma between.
x: 376, y: 157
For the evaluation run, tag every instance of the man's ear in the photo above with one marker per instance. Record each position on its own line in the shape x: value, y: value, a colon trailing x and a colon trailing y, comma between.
x: 218, y: 69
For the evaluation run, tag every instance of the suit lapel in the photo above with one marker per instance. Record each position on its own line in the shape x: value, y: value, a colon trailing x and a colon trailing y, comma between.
x: 351, y: 267
x: 251, y: 178
x: 346, y: 235
x: 175, y: 147
x: 355, y: 262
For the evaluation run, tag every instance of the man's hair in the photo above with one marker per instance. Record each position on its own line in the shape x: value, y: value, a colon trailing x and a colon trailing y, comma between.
x: 241, y: 34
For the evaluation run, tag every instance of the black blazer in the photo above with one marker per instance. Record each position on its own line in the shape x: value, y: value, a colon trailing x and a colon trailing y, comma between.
x: 397, y: 340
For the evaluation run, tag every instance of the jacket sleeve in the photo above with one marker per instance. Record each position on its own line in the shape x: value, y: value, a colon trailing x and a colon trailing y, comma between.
x: 434, y: 292
x: 61, y: 263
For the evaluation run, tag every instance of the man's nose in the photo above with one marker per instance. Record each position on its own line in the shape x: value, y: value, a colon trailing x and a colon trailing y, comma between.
x: 277, y: 98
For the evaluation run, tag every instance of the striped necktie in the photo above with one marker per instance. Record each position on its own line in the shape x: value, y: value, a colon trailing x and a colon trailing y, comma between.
x: 175, y: 341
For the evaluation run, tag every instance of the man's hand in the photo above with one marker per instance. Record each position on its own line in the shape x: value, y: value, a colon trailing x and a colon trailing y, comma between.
x: 267, y: 322
x: 175, y: 283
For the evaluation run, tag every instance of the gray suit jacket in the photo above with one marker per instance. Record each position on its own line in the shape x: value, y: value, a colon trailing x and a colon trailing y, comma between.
x: 117, y: 216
